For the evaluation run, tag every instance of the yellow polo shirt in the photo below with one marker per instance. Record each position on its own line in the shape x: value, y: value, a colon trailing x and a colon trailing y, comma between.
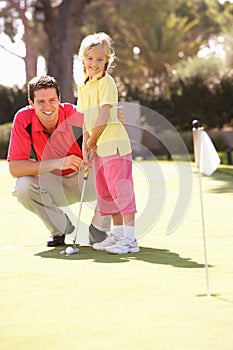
x: 91, y: 96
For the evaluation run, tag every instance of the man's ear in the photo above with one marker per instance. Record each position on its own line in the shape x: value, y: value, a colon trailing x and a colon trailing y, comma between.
x: 31, y: 103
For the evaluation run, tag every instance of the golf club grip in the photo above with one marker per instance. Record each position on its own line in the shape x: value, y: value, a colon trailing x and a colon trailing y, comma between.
x: 85, y: 176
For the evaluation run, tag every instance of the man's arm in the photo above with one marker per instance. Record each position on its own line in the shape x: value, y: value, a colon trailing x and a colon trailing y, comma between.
x: 20, y: 168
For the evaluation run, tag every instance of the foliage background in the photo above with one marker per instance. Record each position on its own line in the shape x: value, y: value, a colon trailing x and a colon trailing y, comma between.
x: 173, y: 57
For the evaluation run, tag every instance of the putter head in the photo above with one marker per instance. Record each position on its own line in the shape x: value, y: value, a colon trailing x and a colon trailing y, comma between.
x: 75, y: 250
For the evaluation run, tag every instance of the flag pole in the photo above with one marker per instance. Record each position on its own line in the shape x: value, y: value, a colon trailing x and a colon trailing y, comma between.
x: 197, y: 150
x: 204, y: 235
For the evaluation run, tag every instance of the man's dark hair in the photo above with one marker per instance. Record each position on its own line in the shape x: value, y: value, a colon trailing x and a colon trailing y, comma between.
x: 43, y: 82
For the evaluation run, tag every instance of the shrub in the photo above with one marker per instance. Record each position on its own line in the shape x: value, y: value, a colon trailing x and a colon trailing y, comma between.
x: 12, y: 99
x: 5, y: 131
x: 220, y: 142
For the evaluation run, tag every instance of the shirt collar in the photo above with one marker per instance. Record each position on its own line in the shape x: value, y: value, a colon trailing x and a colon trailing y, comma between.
x: 96, y: 77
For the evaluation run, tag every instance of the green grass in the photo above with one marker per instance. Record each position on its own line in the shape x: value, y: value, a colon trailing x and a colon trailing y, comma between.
x: 225, y: 169
x: 155, y: 299
x: 177, y: 157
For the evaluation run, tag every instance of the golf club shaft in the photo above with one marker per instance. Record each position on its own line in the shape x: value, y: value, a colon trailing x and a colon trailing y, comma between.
x: 85, y: 177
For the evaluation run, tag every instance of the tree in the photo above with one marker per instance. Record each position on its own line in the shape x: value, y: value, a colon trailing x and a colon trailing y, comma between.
x: 150, y: 36
x: 49, y: 28
x: 15, y: 13
x: 153, y: 36
x: 60, y: 23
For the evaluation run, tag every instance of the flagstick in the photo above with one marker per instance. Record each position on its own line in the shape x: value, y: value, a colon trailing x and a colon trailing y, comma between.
x: 204, y: 235
x: 197, y: 130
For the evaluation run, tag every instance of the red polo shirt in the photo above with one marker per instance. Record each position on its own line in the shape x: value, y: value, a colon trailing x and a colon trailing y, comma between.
x: 28, y: 133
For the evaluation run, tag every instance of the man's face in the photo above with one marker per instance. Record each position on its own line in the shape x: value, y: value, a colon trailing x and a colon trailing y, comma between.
x: 46, y: 104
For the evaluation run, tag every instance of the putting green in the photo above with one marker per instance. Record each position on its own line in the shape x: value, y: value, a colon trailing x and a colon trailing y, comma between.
x: 155, y: 299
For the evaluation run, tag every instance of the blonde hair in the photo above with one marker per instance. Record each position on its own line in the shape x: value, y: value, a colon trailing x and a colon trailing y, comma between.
x: 95, y: 40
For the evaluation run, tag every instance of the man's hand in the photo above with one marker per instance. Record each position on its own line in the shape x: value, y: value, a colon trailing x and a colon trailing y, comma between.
x: 70, y: 162
x: 121, y: 114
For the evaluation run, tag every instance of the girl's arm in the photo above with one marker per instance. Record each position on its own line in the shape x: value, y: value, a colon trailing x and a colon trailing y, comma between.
x: 100, y: 125
x: 86, y: 137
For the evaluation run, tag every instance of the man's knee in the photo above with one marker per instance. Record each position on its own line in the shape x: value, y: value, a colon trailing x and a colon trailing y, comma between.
x: 23, y: 186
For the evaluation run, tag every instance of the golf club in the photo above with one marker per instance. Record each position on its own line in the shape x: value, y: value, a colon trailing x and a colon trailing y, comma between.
x: 74, y: 249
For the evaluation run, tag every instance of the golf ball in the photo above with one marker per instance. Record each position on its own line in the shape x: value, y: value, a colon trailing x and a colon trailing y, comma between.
x: 69, y: 250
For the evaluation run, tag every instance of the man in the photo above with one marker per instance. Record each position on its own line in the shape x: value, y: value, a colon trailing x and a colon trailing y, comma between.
x: 53, y: 131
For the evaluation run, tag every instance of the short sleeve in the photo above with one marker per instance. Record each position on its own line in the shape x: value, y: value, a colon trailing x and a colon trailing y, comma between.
x: 79, y: 101
x: 20, y: 141
x: 107, y: 91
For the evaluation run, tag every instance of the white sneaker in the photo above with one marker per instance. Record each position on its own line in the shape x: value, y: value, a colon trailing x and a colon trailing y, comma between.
x: 108, y: 242
x: 123, y: 246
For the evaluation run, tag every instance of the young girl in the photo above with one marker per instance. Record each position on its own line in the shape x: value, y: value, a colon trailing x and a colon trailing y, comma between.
x: 107, y: 139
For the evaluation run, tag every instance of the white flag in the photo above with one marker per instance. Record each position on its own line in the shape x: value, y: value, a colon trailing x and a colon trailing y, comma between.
x: 206, y: 156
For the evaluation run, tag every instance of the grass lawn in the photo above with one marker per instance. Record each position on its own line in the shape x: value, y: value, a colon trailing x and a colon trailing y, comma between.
x: 155, y: 299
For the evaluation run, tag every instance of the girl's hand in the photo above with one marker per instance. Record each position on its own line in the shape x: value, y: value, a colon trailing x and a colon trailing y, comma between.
x: 87, y: 159
x: 90, y: 144
x: 85, y: 156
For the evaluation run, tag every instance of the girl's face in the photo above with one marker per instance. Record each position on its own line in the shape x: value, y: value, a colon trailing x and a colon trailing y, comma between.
x: 94, y: 61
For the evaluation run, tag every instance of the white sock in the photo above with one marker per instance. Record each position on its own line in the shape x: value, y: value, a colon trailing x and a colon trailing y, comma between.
x: 129, y: 232
x: 118, y: 230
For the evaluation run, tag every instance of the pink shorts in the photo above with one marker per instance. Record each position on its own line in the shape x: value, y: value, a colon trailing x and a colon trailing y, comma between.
x: 114, y: 184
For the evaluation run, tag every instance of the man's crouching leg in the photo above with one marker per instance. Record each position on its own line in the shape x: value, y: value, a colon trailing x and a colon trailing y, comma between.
x: 36, y: 199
